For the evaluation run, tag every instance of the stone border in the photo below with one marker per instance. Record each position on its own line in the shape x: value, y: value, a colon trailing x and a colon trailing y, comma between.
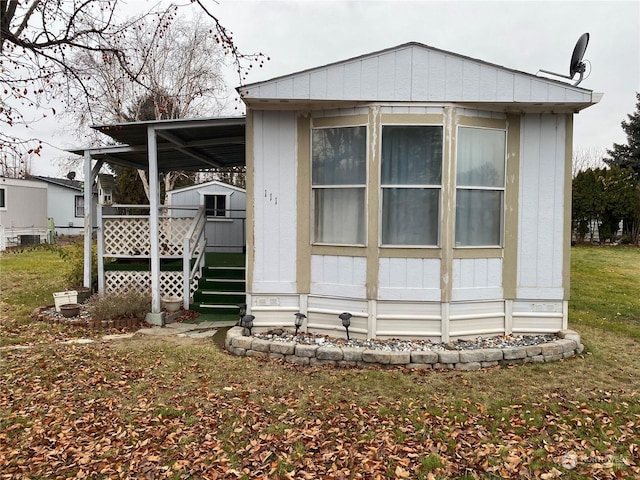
x: 566, y: 346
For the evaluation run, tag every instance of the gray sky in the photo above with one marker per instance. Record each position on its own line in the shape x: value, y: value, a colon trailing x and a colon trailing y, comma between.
x: 522, y: 35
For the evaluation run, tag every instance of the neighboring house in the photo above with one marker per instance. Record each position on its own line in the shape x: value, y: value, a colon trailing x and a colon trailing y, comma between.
x: 23, y: 212
x: 224, y: 209
x: 66, y: 205
x: 424, y: 192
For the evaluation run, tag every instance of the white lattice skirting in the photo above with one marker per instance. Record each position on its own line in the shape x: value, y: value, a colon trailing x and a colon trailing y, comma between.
x: 170, y: 283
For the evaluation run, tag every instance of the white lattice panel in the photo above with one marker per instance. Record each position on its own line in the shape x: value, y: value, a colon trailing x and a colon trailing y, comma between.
x: 126, y: 236
x: 130, y: 236
x: 172, y: 232
x: 119, y: 282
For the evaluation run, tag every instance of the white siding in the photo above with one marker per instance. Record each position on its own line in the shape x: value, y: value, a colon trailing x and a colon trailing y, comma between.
x: 26, y: 204
x: 338, y: 276
x: 541, y: 203
x: 415, y: 72
x: 61, y: 207
x: 274, y: 140
x: 476, y: 318
x: 409, y: 279
x: 539, y: 317
x: 477, y: 279
x: 407, y: 319
x: 322, y: 316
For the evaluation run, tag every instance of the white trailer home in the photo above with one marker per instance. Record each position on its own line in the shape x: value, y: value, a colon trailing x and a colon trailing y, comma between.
x: 23, y: 212
x: 65, y: 205
x: 426, y: 193
x: 224, y: 208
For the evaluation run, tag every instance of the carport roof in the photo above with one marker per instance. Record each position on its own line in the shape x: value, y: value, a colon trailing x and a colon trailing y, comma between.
x: 185, y: 144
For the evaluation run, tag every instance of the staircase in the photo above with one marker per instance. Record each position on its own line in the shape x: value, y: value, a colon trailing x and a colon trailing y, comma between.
x: 222, y: 287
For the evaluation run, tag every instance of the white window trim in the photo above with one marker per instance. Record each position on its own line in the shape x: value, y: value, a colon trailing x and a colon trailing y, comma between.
x: 75, y: 206
x: 503, y: 189
x: 227, y: 213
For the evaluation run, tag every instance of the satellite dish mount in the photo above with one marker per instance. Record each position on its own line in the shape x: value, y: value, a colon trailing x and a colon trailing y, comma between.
x: 576, y: 65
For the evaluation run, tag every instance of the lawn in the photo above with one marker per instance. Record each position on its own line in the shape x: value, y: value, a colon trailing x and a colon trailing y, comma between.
x: 183, y: 409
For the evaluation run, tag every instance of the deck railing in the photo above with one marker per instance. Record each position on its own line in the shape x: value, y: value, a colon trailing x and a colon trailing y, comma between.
x: 123, y: 233
x: 194, y: 245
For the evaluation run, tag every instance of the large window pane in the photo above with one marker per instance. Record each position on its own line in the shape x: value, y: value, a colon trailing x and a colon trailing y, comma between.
x: 339, y: 215
x: 410, y: 216
x: 481, y: 154
x: 478, y: 217
x: 411, y: 155
x: 339, y: 156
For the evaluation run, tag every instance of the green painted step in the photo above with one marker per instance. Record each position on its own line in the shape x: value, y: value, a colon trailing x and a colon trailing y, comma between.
x: 223, y: 272
x: 222, y: 312
x: 219, y: 298
x: 222, y: 284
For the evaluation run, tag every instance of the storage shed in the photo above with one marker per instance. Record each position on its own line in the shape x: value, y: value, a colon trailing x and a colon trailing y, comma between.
x: 424, y: 192
x: 224, y: 210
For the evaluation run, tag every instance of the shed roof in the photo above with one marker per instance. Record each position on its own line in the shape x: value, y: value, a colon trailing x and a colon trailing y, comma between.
x: 414, y: 72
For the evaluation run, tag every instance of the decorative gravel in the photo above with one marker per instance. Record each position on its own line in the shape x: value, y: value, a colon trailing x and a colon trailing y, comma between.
x: 396, y: 345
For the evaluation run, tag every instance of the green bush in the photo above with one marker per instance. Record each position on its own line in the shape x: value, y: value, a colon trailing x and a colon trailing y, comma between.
x: 111, y: 306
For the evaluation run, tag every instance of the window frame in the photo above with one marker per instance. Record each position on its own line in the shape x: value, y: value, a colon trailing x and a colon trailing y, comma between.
x: 3, y: 198
x: 227, y: 213
x: 76, y: 207
x: 502, y: 189
x: 364, y: 187
x: 440, y: 187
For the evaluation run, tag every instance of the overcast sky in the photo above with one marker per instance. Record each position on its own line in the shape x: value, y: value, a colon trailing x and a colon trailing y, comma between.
x: 522, y: 35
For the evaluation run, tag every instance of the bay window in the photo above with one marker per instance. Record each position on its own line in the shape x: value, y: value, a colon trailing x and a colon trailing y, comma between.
x: 338, y: 178
x: 480, y: 185
x: 411, y: 179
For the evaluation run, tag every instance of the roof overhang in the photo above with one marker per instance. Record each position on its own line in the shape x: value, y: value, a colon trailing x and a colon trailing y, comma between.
x: 187, y: 145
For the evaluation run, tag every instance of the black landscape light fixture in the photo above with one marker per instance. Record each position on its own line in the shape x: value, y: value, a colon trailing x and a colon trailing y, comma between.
x: 346, y: 321
x: 247, y: 322
x: 242, y: 312
x: 299, y: 321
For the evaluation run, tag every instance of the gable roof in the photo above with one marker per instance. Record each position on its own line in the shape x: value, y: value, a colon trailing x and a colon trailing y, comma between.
x: 62, y: 182
x: 210, y: 183
x: 414, y: 72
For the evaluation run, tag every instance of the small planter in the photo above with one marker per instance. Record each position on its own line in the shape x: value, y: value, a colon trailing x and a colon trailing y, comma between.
x: 70, y: 310
x: 172, y: 304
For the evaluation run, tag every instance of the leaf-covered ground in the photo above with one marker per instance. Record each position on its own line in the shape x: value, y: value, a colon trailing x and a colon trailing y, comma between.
x: 140, y: 410
x: 183, y: 409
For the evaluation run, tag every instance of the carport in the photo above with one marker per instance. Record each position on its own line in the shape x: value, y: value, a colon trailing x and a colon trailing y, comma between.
x: 161, y: 146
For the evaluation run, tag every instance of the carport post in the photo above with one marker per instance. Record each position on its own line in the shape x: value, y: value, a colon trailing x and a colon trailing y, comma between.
x: 155, y: 317
x: 88, y: 220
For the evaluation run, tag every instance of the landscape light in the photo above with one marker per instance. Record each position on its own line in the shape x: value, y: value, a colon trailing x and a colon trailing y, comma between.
x: 247, y: 322
x: 346, y: 321
x: 243, y: 312
x: 299, y: 320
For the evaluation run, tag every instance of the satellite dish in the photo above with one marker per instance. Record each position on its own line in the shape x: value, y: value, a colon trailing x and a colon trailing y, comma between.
x: 576, y: 65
